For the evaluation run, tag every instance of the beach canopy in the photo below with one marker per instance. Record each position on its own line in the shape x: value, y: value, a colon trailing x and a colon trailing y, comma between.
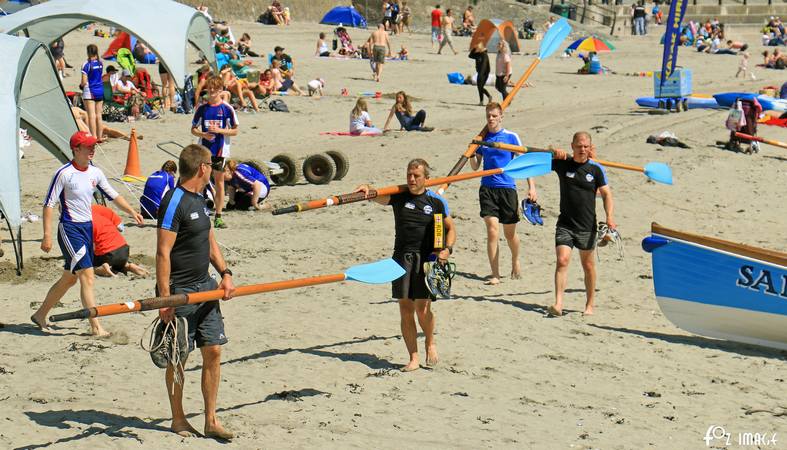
x: 31, y: 97
x: 591, y: 44
x: 489, y: 33
x: 165, y: 26
x: 344, y: 15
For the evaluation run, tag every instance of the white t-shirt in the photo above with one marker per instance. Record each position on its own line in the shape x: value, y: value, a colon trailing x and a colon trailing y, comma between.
x: 73, y: 189
x: 121, y: 86
x: 358, y: 123
x: 315, y: 85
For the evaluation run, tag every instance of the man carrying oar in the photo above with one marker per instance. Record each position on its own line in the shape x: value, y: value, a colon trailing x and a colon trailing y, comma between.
x: 417, y: 214
x: 497, y: 194
x: 580, y: 178
x: 186, y: 247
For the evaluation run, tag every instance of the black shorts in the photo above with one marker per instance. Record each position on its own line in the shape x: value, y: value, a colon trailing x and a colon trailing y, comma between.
x: 583, y: 240
x: 217, y: 163
x: 502, y: 203
x: 117, y: 259
x: 206, y: 324
x: 412, y: 284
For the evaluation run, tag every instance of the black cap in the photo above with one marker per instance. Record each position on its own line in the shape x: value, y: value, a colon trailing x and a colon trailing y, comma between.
x: 278, y: 48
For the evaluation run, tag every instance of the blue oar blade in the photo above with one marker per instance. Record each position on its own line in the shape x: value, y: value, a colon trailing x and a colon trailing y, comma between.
x: 553, y: 38
x: 659, y: 172
x: 378, y: 272
x: 529, y: 165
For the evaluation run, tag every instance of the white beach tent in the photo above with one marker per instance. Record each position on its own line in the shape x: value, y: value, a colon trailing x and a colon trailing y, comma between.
x: 165, y: 26
x: 31, y: 97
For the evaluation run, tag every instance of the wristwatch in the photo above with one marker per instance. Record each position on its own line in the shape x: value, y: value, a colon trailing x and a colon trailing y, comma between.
x: 226, y: 271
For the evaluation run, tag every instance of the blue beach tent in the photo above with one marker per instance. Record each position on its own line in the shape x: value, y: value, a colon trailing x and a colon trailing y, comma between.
x: 345, y: 15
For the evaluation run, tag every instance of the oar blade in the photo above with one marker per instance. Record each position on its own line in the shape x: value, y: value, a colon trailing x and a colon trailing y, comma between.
x: 553, y: 38
x: 659, y: 172
x: 529, y: 165
x: 382, y: 271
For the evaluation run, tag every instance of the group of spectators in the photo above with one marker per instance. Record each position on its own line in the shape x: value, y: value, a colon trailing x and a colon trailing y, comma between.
x: 396, y: 16
x: 773, y: 33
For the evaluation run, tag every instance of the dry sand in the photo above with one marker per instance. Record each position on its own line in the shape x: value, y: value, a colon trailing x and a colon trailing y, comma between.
x: 318, y: 367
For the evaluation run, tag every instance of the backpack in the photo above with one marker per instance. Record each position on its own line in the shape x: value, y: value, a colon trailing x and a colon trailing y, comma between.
x: 187, y: 97
x: 278, y: 105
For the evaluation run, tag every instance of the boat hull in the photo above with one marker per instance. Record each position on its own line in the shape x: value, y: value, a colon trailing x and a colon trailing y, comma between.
x: 710, y: 289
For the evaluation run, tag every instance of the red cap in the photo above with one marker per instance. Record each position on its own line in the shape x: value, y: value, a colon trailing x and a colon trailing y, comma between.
x: 82, y: 138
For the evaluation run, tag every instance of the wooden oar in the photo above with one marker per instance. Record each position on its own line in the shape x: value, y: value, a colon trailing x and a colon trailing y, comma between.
x: 763, y: 140
x: 655, y: 171
x: 378, y: 272
x: 551, y: 42
x: 525, y: 166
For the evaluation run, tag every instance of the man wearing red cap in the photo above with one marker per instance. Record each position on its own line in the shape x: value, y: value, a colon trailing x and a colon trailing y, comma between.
x: 72, y: 186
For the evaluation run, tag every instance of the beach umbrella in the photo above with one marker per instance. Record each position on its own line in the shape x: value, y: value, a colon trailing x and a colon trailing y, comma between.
x: 655, y: 171
x: 591, y: 44
x: 378, y: 272
x: 525, y: 166
x: 555, y: 36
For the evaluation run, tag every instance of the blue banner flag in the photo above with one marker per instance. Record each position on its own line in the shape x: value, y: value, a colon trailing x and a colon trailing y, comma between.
x: 672, y: 38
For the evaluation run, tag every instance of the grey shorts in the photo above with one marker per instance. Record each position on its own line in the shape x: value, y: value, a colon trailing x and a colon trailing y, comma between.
x: 378, y: 54
x: 206, y: 324
x: 583, y: 240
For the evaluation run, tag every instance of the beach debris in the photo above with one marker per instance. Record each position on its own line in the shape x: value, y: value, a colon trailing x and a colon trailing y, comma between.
x: 667, y: 139
x: 652, y: 394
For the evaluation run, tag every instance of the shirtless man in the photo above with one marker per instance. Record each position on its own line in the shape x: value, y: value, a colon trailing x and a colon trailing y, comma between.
x: 447, y: 26
x: 381, y: 47
x: 468, y: 20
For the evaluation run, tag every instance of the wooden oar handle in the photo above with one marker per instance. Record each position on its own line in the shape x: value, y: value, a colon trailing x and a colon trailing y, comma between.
x: 763, y: 140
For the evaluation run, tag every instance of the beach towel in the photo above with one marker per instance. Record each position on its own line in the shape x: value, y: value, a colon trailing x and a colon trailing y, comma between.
x: 347, y: 133
x: 775, y: 121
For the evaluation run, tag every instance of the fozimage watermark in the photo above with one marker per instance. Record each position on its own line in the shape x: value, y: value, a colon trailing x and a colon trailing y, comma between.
x: 717, y: 436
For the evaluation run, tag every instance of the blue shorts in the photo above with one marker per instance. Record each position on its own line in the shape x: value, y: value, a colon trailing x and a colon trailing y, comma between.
x: 76, y: 243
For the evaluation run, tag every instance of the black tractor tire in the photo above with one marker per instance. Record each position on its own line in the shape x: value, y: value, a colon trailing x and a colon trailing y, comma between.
x: 292, y: 170
x: 319, y: 169
x: 342, y: 163
x: 259, y: 166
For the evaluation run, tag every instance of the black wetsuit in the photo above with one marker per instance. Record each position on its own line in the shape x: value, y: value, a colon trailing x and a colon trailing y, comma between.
x: 482, y: 67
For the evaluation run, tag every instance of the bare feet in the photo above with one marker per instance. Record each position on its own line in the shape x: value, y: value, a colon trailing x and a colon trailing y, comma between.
x: 104, y: 270
x: 516, y: 275
x: 412, y: 365
x: 431, y: 356
x: 554, y: 312
x: 100, y: 333
x: 588, y: 311
x: 218, y: 432
x: 184, y: 429
x: 137, y: 270
x: 41, y: 324
x: 492, y: 281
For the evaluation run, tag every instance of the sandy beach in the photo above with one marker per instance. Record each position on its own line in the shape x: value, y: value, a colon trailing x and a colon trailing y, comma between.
x: 319, y: 367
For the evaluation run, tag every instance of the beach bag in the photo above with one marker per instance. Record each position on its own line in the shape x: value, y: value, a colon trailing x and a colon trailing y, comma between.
x: 278, y: 105
x: 456, y: 78
x: 735, y: 119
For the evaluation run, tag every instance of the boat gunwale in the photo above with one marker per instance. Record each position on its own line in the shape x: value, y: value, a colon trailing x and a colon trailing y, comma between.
x: 762, y: 254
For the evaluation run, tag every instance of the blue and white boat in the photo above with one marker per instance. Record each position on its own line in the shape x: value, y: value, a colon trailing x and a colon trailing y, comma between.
x: 720, y: 289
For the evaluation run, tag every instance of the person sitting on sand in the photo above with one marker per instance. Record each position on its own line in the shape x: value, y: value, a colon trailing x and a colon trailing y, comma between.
x: 280, y: 83
x: 497, y: 195
x: 404, y: 113
x: 413, y: 247
x: 248, y: 187
x: 360, y: 120
x: 158, y: 183
x: 110, y: 247
x: 322, y: 47
x: 468, y: 20
x: 403, y: 54
x: 244, y: 46
x: 580, y: 179
x: 266, y: 83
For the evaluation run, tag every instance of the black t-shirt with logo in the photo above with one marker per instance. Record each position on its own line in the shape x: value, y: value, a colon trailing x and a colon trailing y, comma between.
x: 578, y: 184
x: 186, y: 214
x: 414, y: 220
x: 639, y: 11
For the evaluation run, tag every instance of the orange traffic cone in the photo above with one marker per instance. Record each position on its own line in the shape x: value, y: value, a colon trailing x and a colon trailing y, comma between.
x: 132, y: 172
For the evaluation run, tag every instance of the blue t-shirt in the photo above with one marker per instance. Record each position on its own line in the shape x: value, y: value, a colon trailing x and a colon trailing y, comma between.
x: 495, y: 159
x: 245, y: 176
x: 222, y: 116
x: 93, y: 68
x: 155, y: 187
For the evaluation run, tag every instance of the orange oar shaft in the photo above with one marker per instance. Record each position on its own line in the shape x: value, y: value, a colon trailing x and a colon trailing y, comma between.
x: 389, y: 190
x: 519, y: 149
x: 473, y: 147
x: 763, y: 140
x: 197, y: 297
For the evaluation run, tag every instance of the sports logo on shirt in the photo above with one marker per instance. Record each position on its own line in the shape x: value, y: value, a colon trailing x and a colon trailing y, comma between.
x: 409, y: 205
x: 570, y: 174
x: 427, y: 209
x: 589, y: 177
x: 194, y: 216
